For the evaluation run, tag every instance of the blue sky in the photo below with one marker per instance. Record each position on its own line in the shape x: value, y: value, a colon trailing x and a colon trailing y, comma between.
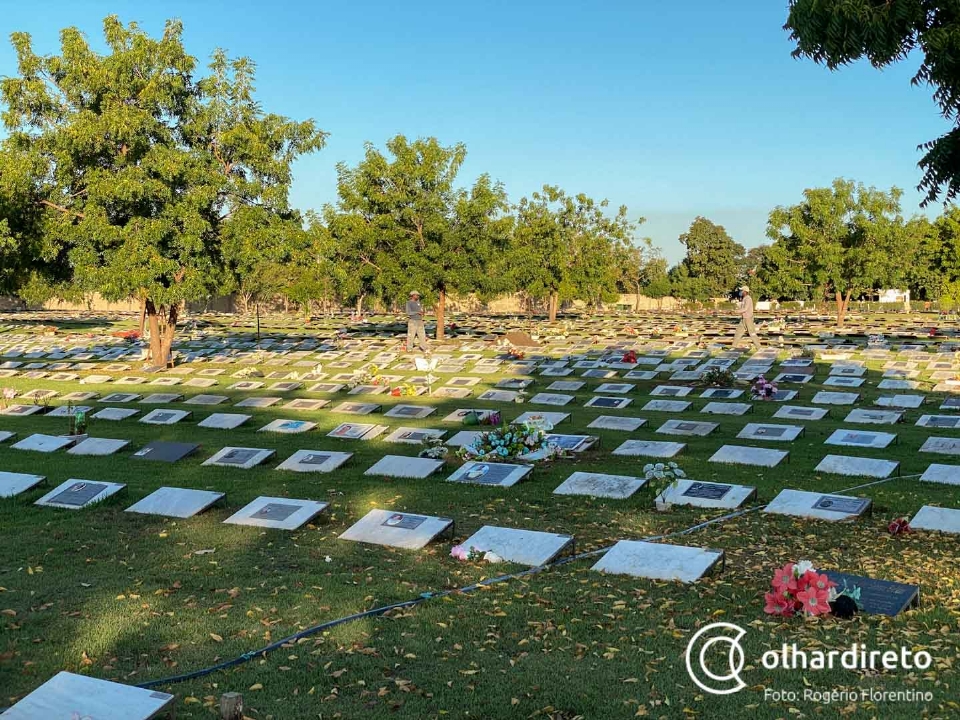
x: 673, y: 109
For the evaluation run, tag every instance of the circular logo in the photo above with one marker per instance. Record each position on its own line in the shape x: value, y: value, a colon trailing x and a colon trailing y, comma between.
x: 717, y: 683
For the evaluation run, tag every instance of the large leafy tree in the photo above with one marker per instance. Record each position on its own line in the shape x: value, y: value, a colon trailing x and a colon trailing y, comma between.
x: 409, y: 226
x: 565, y: 247
x: 641, y: 266
x: 139, y: 166
x: 840, y: 32
x: 712, y: 262
x: 843, y: 240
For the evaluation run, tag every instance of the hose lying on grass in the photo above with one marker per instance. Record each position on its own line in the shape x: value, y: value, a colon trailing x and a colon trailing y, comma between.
x: 423, y: 597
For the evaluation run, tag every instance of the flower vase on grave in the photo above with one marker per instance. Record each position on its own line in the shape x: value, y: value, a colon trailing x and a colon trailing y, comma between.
x: 78, y: 423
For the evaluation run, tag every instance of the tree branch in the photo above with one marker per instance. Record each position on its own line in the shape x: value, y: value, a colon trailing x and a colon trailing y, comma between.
x: 65, y: 211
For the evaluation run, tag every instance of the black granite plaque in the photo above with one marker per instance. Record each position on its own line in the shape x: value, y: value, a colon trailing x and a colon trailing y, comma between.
x: 278, y: 512
x: 707, y: 491
x: 941, y: 421
x: 165, y: 451
x: 314, y: 459
x: 878, y: 597
x: 487, y: 474
x: 606, y: 402
x: 404, y: 522
x: 238, y: 456
x: 78, y: 494
x: 845, y: 505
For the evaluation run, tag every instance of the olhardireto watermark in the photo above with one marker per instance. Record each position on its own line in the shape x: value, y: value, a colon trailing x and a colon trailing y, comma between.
x: 726, y: 680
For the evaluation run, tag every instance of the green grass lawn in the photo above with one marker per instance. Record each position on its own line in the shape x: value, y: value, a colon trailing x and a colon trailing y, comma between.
x: 134, y: 598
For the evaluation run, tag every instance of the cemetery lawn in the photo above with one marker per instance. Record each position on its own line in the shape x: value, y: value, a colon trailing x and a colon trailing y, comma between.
x: 135, y: 598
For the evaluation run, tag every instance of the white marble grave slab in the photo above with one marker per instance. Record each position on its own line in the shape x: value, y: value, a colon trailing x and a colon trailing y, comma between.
x: 546, y: 399
x: 97, y: 446
x: 39, y: 442
x: 945, y: 474
x: 873, y: 417
x: 666, y: 406
x: 413, y: 436
x: 671, y: 391
x: 801, y: 503
x: 404, y: 466
x: 277, y: 513
x: 239, y: 457
x: 490, y: 473
x: 938, y: 519
x: 888, y: 384
x: 161, y: 399
x: 315, y: 461
x: 658, y: 561
x: 175, y: 502
x: 951, y: 422
x: 613, y: 422
x: 696, y: 493
x: 15, y: 483
x: 258, y: 402
x: 524, y: 547
x: 353, y: 408
x: 835, y: 398
x: 687, y: 427
x: 78, y: 697
x: 649, y: 448
x: 600, y: 485
x: 860, y: 438
x: 793, y: 412
x: 75, y: 494
x: 409, y: 411
x: 900, y: 401
x: 112, y: 413
x: 940, y: 445
x: 856, y: 466
x: 396, y: 529
x: 288, y: 427
x: 739, y: 455
x: 164, y: 417
x: 206, y: 400
x: 223, y: 421
x: 463, y: 438
x: 21, y: 410
x: 550, y: 418
x: 770, y: 432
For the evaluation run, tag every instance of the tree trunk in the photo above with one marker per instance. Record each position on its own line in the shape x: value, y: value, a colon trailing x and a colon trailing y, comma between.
x: 360, y: 298
x: 143, y: 314
x: 552, y: 304
x: 243, y: 301
x: 441, y: 306
x: 636, y: 304
x: 843, y: 303
x: 162, y: 331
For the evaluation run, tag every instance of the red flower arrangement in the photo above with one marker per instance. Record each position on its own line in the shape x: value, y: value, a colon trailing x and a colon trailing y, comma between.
x: 629, y: 357
x: 799, y: 588
x: 515, y: 354
x: 900, y: 526
x: 127, y: 334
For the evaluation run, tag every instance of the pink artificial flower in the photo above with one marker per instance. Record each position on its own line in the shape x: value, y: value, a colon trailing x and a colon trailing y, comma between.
x: 783, y: 579
x: 818, y: 582
x: 815, y: 602
x: 779, y: 604
x: 459, y: 552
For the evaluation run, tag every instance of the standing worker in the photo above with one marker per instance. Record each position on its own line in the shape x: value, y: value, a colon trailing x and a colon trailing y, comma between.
x: 416, y: 332
x: 745, y: 311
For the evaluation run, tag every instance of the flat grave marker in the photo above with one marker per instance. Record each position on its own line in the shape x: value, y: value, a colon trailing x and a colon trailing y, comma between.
x: 352, y: 408
x: 937, y: 519
x: 323, y: 461
x: 277, y: 513
x: 770, y: 432
x: 258, y: 402
x: 288, y: 427
x: 878, y: 597
x: 97, y: 446
x: 175, y: 502
x: 658, y: 561
x: 739, y: 455
x: 66, y: 696
x: 859, y: 438
x: 164, y: 451
x: 873, y: 417
x: 164, y: 417
x: 409, y: 411
x: 649, y: 448
x: 413, y: 436
x: 726, y: 408
x: 613, y: 422
x: 490, y: 473
x: 801, y: 503
x: 835, y: 398
x: 15, y: 483
x: 857, y: 466
x: 404, y: 466
x: 793, y: 412
x: 600, y: 485
x: 666, y: 406
x: 397, y: 529
x: 239, y: 457
x: 687, y: 427
x: 223, y: 421
x: 357, y: 431
x: 39, y: 442
x: 524, y: 547
x: 695, y: 493
x: 939, y: 445
x: 75, y: 494
x: 945, y: 474
x: 939, y: 421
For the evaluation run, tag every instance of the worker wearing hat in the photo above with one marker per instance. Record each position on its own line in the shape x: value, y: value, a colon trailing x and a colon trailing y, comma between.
x: 745, y: 311
x: 416, y: 332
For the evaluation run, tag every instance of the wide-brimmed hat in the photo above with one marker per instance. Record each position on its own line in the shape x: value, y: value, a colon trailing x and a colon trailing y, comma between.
x: 745, y: 288
x: 414, y: 292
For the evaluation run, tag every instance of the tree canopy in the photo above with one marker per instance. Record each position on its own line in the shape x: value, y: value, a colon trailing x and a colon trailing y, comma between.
x: 139, y: 167
x: 836, y: 33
